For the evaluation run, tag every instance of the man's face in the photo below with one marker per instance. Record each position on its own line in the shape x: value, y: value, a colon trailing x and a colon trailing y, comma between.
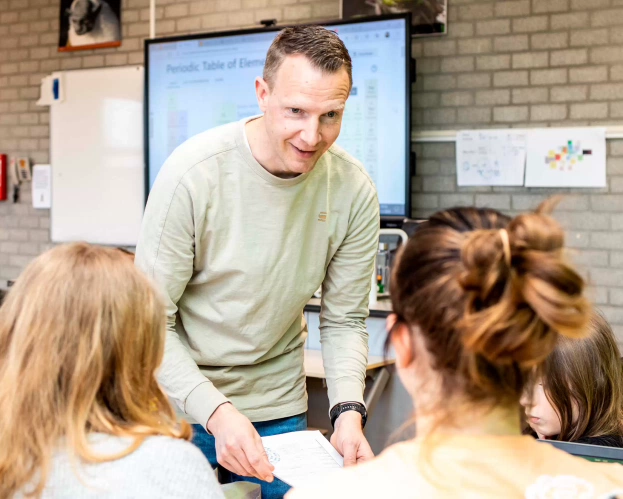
x: 302, y: 112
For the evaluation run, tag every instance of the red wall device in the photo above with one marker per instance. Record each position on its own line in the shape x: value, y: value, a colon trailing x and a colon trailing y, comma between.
x: 3, y: 176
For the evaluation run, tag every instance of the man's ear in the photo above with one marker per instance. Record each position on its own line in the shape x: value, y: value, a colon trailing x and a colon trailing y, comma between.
x: 262, y: 92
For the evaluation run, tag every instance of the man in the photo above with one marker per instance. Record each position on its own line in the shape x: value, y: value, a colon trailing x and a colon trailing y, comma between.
x: 243, y: 224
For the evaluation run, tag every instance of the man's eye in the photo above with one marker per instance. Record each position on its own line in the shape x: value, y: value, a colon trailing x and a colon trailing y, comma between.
x: 331, y: 114
x: 295, y: 110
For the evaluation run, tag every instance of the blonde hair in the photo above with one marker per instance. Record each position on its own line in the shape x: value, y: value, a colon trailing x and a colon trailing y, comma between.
x: 81, y: 336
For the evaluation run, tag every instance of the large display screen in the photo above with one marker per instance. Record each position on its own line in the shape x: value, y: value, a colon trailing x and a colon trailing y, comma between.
x: 200, y: 82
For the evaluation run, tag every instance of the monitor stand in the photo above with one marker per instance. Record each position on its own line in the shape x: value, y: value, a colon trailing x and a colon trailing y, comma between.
x: 392, y: 222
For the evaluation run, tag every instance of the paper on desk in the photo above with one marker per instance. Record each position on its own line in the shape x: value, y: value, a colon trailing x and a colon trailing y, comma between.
x: 301, y: 458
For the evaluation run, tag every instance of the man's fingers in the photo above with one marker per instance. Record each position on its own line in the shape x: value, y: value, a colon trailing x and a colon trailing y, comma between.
x: 364, y: 452
x: 234, y: 460
x: 232, y: 464
x: 258, y: 461
x: 246, y: 465
x: 350, y: 453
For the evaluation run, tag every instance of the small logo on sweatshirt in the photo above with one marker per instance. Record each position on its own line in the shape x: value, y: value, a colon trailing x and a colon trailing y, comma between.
x: 322, y: 216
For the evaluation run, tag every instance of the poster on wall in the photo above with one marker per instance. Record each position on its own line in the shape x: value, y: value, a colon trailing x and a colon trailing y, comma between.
x: 490, y: 157
x: 89, y: 24
x: 429, y: 17
x: 566, y: 157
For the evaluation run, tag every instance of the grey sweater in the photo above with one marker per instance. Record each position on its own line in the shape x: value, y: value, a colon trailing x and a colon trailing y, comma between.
x: 161, y: 467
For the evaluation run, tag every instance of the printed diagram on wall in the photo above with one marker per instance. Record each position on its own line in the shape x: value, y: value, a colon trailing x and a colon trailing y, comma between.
x: 490, y: 157
x: 566, y: 157
x: 89, y: 24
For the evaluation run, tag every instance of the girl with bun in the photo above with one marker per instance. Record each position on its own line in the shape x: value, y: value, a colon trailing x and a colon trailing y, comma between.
x: 479, y: 300
x: 577, y: 393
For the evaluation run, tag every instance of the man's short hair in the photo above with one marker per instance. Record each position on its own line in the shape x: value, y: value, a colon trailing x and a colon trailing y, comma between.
x: 322, y: 47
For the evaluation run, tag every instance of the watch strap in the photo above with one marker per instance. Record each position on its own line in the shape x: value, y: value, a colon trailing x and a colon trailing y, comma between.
x: 342, y: 407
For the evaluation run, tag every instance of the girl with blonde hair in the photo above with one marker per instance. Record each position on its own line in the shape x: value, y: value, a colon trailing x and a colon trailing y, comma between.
x: 479, y: 300
x: 81, y: 336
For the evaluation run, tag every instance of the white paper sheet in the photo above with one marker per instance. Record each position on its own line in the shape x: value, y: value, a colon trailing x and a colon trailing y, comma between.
x: 42, y: 186
x: 301, y: 458
x: 490, y: 157
x: 46, y: 94
x: 566, y: 157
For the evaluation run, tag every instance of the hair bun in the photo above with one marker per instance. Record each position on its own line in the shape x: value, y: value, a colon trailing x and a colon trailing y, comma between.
x: 520, y: 291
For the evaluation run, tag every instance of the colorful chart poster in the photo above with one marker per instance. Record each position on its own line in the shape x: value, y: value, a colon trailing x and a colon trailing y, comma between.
x: 566, y: 157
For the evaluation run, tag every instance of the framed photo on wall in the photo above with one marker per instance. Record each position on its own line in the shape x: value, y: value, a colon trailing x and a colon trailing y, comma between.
x: 429, y: 17
x: 89, y: 24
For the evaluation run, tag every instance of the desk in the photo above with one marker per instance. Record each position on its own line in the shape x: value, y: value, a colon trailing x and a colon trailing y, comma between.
x: 376, y: 369
x: 381, y: 309
x: 377, y: 365
x: 314, y: 367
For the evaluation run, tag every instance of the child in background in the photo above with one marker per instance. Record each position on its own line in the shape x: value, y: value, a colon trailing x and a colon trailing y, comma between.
x: 81, y: 336
x: 577, y: 394
x: 479, y: 299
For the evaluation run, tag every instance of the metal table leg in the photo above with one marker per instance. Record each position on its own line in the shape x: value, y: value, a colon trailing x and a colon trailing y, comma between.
x: 381, y: 378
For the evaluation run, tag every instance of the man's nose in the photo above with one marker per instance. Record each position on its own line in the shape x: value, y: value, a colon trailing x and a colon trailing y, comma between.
x: 310, y: 134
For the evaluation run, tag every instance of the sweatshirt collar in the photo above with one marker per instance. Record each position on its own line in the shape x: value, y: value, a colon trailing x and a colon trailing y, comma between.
x: 244, y: 148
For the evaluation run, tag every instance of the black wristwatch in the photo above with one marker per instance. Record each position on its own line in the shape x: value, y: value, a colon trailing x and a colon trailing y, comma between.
x: 348, y: 406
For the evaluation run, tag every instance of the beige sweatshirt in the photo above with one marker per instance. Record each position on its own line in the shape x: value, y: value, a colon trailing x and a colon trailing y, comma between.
x: 238, y: 253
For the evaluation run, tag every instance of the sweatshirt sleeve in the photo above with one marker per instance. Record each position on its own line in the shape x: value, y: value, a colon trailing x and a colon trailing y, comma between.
x: 344, y: 309
x: 165, y: 252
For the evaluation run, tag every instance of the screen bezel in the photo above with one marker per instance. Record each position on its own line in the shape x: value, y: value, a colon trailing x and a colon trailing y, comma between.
x: 587, y: 450
x: 359, y: 20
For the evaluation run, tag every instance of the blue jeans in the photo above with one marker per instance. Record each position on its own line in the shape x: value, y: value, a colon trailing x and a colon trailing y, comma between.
x: 275, y: 490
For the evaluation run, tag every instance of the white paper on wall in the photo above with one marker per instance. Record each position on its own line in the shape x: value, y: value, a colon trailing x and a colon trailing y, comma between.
x: 490, y: 157
x: 42, y: 186
x: 566, y: 157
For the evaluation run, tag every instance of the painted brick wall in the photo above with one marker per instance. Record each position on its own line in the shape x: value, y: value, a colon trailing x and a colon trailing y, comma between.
x: 518, y: 63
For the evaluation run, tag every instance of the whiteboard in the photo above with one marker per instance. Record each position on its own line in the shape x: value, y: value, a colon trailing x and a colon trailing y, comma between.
x: 97, y: 158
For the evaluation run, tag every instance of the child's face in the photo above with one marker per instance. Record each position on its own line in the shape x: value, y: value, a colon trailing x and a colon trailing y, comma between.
x: 540, y: 414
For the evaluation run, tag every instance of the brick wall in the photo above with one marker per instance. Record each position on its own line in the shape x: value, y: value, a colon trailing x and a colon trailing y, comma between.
x: 519, y: 63
x: 28, y: 51
x: 525, y: 63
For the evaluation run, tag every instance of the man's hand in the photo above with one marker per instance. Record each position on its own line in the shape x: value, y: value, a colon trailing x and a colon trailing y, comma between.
x: 238, y: 445
x: 348, y: 439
